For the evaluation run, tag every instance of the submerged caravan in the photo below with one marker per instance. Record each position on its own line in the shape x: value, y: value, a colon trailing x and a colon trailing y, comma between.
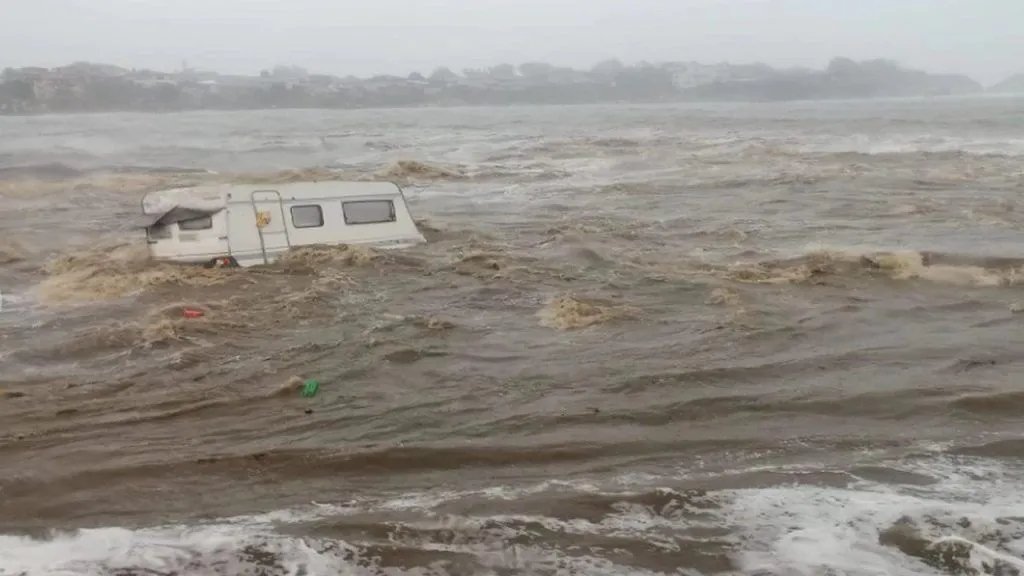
x: 247, y: 225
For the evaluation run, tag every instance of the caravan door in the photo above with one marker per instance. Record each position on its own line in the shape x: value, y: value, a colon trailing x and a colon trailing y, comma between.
x: 268, y: 210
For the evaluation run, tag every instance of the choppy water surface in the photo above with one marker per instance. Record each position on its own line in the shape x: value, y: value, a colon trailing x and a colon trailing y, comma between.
x: 762, y: 340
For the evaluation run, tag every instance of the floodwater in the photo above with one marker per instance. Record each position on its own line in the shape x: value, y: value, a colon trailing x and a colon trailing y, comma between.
x: 766, y: 340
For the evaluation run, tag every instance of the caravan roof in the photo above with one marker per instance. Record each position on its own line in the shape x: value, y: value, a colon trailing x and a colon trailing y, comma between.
x: 175, y: 214
x: 212, y: 198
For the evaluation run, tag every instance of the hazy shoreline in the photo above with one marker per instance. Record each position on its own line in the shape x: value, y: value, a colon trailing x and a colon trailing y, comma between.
x: 98, y: 88
x: 443, y: 106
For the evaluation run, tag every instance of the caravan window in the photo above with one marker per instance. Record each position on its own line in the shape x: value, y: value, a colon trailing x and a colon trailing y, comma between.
x: 309, y: 216
x: 159, y: 232
x: 368, y: 211
x: 204, y: 223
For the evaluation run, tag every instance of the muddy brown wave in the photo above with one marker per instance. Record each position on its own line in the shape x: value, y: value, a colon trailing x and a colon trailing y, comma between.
x: 633, y: 343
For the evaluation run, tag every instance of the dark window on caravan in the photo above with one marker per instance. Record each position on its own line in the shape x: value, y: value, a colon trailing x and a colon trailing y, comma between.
x: 159, y: 232
x: 204, y: 223
x: 368, y: 211
x: 309, y: 216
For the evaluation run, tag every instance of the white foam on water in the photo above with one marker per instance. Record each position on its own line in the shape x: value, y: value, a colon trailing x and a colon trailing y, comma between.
x: 20, y: 311
x: 221, y: 550
x: 912, y: 143
x: 807, y: 530
x: 196, y: 551
x: 782, y: 530
x: 11, y: 301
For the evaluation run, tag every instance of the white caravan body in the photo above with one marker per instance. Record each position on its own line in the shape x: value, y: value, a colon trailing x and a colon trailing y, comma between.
x: 250, y: 224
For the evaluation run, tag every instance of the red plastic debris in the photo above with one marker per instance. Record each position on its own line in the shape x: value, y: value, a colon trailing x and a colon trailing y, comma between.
x: 191, y: 313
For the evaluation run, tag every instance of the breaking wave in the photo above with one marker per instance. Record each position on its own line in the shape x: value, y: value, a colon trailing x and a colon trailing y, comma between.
x: 946, y: 516
x: 115, y: 272
x: 821, y: 264
x: 569, y: 312
x: 11, y: 252
x: 128, y: 182
x: 408, y: 169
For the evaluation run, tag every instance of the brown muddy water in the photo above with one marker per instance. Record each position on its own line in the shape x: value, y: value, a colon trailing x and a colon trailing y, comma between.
x: 771, y: 340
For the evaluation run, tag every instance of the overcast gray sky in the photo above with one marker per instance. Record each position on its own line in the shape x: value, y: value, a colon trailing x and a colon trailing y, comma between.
x: 984, y: 38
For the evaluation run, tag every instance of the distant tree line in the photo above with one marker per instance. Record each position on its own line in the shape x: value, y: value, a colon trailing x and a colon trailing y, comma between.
x: 87, y: 87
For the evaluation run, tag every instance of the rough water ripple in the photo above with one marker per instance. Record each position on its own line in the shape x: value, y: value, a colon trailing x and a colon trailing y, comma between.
x: 763, y: 340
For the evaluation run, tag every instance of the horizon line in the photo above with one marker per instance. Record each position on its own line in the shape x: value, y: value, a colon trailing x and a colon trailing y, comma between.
x: 460, y: 72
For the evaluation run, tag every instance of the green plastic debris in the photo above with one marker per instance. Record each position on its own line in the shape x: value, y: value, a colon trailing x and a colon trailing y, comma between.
x: 310, y: 388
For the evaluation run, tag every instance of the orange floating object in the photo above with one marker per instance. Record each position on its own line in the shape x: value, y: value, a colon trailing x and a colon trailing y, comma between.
x: 191, y: 313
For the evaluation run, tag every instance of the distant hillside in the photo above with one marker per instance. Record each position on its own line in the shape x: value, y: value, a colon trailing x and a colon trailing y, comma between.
x: 843, y: 79
x: 1012, y: 85
x: 88, y: 87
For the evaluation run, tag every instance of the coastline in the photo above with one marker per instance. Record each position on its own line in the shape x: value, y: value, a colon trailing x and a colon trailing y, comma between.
x: 444, y: 106
x: 97, y: 88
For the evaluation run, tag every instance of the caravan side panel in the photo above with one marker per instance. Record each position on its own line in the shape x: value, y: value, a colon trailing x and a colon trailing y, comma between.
x: 313, y: 221
x: 383, y: 220
x: 301, y: 214
x: 243, y: 236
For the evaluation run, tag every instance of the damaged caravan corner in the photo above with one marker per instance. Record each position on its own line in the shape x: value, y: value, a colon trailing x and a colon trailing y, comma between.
x: 247, y: 225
